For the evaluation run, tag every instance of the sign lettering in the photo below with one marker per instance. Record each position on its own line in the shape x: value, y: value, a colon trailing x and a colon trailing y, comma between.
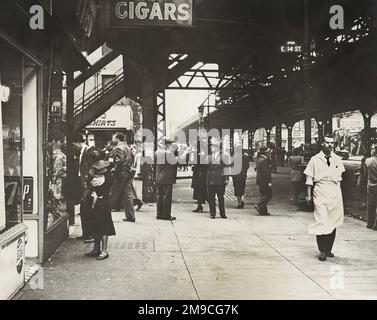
x: 151, y: 13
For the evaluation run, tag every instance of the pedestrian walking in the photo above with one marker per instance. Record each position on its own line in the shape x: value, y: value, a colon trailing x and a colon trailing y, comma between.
x: 296, y: 174
x: 98, y: 206
x: 273, y: 158
x: 137, y: 183
x: 264, y: 180
x: 122, y: 189
x: 199, y: 178
x: 239, y: 180
x: 371, y: 172
x: 362, y: 182
x: 217, y: 179
x: 167, y: 160
x: 323, y: 178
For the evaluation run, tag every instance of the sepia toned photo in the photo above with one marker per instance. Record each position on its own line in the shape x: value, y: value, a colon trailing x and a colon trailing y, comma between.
x: 188, y: 150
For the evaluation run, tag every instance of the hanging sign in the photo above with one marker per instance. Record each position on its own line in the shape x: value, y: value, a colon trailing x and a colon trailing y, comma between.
x: 291, y: 47
x: 141, y: 13
x: 117, y: 117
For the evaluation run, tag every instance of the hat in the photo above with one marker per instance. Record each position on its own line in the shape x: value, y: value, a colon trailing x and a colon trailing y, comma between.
x: 165, y: 140
x: 99, y: 167
x: 264, y: 149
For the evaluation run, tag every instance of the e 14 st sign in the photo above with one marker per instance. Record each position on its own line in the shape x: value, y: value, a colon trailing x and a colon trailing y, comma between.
x: 142, y: 13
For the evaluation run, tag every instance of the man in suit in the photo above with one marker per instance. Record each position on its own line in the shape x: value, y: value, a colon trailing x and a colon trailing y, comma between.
x: 166, y: 159
x: 264, y: 180
x: 122, y: 189
x: 217, y: 179
x: 84, y: 165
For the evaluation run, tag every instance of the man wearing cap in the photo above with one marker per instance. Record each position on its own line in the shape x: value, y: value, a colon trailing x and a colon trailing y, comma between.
x: 218, y: 172
x: 122, y: 189
x: 264, y: 180
x: 166, y: 174
x: 323, y: 177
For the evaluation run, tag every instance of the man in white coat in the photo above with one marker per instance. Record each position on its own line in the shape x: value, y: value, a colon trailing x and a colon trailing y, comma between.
x: 323, y: 178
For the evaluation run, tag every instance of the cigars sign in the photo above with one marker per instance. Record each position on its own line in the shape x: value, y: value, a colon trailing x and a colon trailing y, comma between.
x: 141, y: 13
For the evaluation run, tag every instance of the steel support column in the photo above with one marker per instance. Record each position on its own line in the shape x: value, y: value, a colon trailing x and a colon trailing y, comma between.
x: 250, y: 135
x: 306, y: 74
x: 161, y: 115
x: 231, y: 141
x: 70, y: 133
x: 321, y: 131
x: 155, y: 62
x: 268, y: 131
x: 290, y: 139
x: 278, y: 136
x: 308, y: 130
x: 149, y: 123
x: 327, y: 126
x: 367, y: 132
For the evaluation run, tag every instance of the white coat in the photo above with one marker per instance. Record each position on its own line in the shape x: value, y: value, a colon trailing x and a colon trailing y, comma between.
x: 327, y: 194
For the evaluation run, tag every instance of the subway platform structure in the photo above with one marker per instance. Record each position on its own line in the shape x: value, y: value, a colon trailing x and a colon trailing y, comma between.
x: 258, y: 83
x: 246, y: 256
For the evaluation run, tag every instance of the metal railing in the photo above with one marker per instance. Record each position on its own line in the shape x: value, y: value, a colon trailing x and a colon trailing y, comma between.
x: 90, y: 98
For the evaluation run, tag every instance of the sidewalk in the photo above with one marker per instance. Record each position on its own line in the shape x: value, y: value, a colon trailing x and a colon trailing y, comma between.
x: 244, y: 257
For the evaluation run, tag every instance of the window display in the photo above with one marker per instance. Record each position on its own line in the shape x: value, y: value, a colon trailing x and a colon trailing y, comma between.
x: 56, y: 159
x: 11, y: 108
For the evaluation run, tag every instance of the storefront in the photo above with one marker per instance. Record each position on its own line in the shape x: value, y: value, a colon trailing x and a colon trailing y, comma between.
x: 33, y: 211
x: 20, y: 183
x: 119, y: 118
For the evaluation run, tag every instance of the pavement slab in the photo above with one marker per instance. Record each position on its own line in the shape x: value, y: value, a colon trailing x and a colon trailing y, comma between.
x: 246, y: 256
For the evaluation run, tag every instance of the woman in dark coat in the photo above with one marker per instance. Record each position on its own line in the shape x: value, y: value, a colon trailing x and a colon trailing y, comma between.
x: 98, y: 204
x: 239, y: 180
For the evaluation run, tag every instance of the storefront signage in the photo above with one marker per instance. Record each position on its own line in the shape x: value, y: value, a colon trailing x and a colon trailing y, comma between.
x: 291, y: 47
x: 28, y: 194
x: 12, y: 187
x: 4, y: 93
x: 118, y: 117
x: 165, y: 13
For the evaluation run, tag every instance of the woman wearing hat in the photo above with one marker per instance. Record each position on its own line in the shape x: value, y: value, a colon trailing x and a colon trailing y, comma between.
x: 98, y: 204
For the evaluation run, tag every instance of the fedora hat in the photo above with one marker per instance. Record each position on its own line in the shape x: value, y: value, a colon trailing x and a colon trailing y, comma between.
x: 99, y: 167
x: 264, y: 149
x: 166, y: 140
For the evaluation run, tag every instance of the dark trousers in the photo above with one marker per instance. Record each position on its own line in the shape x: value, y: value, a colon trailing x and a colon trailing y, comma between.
x: 266, y: 195
x: 325, y: 242
x: 122, y: 193
x: 371, y: 205
x: 201, y: 193
x: 84, y: 220
x: 212, y: 192
x: 296, y: 188
x: 164, y: 199
x: 84, y: 214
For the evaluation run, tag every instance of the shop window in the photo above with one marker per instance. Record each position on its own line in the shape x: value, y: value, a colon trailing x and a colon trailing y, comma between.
x: 56, y: 159
x: 11, y: 112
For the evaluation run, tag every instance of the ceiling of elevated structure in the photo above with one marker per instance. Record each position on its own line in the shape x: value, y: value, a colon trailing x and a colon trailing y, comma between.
x: 244, y: 37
